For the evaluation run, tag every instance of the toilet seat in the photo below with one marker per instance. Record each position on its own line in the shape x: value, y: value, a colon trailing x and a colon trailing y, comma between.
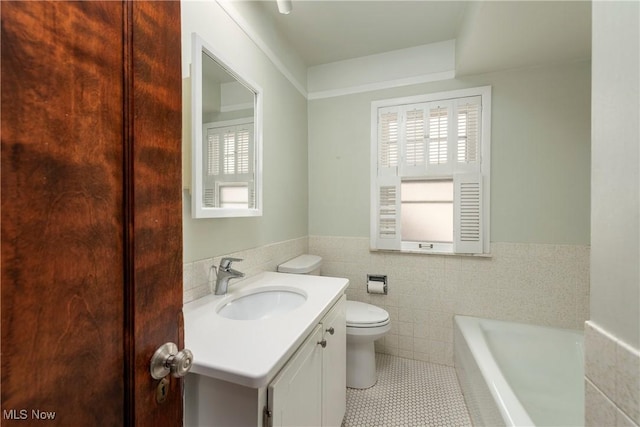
x: 363, y: 315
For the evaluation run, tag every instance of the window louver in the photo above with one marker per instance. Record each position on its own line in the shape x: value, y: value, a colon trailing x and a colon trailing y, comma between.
x: 388, y: 212
x: 438, y: 136
x: 468, y: 213
x: 242, y: 151
x: 229, y: 153
x: 209, y: 198
x: 468, y: 133
x: 415, y: 138
x: 213, y: 154
x: 388, y: 141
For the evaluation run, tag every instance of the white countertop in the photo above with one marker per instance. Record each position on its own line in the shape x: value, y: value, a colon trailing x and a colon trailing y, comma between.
x: 251, y: 352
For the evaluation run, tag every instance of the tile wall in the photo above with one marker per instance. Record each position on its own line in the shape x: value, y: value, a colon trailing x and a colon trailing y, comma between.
x: 265, y: 258
x: 533, y: 283
x: 612, y: 380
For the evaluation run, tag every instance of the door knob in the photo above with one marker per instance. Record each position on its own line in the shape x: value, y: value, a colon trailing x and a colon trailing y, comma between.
x: 168, y: 360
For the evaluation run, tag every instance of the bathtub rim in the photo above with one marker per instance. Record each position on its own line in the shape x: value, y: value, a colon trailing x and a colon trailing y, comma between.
x: 512, y: 411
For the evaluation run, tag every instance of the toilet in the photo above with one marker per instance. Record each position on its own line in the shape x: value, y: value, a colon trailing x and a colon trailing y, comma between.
x: 365, y: 324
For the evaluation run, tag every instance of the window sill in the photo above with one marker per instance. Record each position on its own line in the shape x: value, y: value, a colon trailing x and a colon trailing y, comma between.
x: 487, y: 255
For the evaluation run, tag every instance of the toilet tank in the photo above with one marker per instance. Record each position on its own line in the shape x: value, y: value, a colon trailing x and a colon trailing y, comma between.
x: 303, y: 264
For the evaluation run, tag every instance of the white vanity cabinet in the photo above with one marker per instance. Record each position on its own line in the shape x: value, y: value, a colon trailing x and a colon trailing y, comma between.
x: 309, y: 390
x: 295, y: 395
x: 334, y: 365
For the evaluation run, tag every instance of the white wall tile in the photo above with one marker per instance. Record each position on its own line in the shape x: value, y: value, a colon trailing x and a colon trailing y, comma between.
x: 627, y: 394
x: 622, y: 420
x: 600, y: 359
x: 599, y: 411
x: 539, y: 284
x: 196, y: 275
x: 612, y: 368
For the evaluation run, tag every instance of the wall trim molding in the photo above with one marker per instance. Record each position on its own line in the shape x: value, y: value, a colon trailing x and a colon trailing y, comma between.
x: 387, y: 84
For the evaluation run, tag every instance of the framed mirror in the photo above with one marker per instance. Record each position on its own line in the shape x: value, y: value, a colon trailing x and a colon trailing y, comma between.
x: 227, y: 137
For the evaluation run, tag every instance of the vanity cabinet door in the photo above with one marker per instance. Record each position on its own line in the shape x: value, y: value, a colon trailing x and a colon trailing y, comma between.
x: 334, y: 365
x: 295, y: 395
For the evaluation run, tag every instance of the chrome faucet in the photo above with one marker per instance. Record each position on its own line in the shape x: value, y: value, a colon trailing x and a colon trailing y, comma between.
x: 224, y: 274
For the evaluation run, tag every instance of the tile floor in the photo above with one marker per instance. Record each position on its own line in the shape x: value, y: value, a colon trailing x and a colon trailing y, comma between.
x: 408, y: 393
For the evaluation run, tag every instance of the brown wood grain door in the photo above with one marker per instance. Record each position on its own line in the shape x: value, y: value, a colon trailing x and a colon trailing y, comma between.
x: 91, y: 210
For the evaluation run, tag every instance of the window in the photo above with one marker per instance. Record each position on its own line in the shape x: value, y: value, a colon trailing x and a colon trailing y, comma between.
x: 427, y: 213
x: 430, y: 173
x: 228, y: 164
x: 234, y: 196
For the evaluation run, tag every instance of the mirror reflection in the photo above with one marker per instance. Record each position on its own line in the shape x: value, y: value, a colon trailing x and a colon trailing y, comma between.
x: 226, y: 149
x: 227, y: 130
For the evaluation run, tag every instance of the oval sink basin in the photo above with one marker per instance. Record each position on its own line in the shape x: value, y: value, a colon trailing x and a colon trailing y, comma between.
x: 262, y: 304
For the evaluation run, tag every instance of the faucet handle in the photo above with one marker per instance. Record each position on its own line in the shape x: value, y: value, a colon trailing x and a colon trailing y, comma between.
x: 226, y: 262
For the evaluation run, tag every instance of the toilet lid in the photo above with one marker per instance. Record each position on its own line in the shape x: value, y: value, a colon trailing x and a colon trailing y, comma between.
x: 363, y: 314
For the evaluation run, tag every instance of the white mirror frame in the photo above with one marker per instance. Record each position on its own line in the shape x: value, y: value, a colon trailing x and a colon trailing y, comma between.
x: 198, y: 210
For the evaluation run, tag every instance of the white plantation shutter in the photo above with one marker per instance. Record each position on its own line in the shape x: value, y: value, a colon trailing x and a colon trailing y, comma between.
x: 439, y: 134
x: 209, y: 197
x: 415, y: 137
x: 242, y: 151
x: 414, y: 141
x: 213, y: 153
x: 244, y: 160
x: 435, y: 137
x: 229, y: 152
x: 228, y: 158
x: 386, y: 220
x: 387, y: 230
x: 388, y: 141
x: 252, y: 195
x: 211, y: 167
x: 467, y: 213
x: 467, y: 114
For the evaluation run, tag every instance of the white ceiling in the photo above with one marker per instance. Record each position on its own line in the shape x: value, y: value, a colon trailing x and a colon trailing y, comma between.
x: 490, y: 35
x: 328, y: 31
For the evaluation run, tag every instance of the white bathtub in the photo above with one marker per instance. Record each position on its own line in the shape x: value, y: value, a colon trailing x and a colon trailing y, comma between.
x: 514, y: 374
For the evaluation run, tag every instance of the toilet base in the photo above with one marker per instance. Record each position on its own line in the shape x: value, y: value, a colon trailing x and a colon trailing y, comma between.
x: 361, y: 364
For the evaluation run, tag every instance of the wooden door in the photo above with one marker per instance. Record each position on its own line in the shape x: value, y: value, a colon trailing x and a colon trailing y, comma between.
x: 91, y: 210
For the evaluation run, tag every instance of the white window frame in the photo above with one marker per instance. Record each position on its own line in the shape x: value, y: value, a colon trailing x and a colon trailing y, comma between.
x: 393, y: 175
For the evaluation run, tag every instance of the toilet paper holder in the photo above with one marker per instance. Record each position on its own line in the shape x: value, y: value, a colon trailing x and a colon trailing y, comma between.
x: 377, y: 284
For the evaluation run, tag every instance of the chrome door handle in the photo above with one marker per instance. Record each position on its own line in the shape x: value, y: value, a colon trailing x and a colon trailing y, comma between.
x: 168, y: 360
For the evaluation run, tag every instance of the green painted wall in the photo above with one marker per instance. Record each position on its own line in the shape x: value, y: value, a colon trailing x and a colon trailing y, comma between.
x: 317, y: 155
x: 540, y: 162
x: 285, y: 179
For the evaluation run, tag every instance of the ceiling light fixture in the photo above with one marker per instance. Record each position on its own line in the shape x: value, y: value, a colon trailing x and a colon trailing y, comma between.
x: 284, y: 6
